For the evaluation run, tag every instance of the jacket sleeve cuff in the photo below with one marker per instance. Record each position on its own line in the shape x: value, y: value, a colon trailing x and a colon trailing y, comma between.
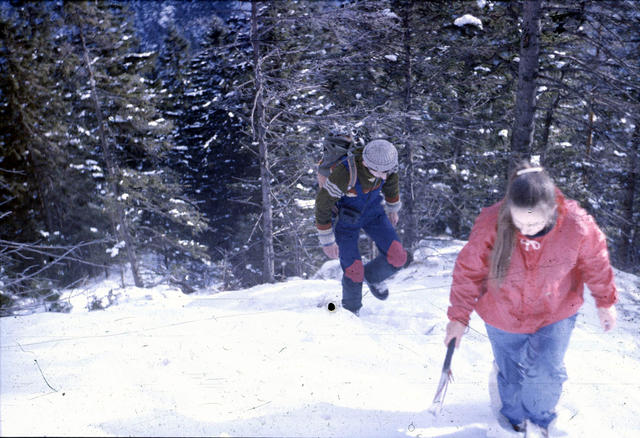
x: 393, y: 207
x: 326, y: 237
x: 456, y: 314
x: 607, y: 301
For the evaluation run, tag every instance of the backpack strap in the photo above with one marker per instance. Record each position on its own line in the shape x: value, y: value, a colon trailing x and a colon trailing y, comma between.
x: 353, y: 171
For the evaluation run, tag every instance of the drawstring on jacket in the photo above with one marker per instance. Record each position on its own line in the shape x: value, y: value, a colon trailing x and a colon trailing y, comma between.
x: 530, y: 244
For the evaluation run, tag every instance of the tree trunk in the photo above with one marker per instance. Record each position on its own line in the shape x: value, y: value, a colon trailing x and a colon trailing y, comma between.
x: 258, y: 132
x: 455, y: 217
x: 548, y: 121
x: 546, y: 127
x: 410, y: 223
x: 524, y: 123
x: 118, y: 219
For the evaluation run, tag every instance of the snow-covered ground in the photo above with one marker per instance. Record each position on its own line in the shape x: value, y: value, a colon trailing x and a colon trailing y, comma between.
x: 274, y: 361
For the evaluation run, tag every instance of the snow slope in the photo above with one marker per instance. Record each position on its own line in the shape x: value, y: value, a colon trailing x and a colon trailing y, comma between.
x: 274, y: 361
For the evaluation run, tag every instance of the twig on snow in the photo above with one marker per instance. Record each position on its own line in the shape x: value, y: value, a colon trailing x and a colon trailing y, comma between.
x: 42, y: 374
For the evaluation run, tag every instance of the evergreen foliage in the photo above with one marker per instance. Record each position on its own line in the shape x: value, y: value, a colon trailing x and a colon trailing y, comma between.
x: 82, y: 150
x: 213, y: 133
x: 200, y: 150
x: 121, y: 109
x: 589, y: 95
x: 43, y: 245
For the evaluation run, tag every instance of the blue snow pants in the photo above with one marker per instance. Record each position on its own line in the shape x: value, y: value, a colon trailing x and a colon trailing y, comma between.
x: 531, y: 370
x: 365, y: 212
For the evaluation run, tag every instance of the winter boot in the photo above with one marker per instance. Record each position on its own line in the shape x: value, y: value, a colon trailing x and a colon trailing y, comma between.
x: 409, y: 259
x: 379, y: 290
x: 522, y: 427
x: 534, y: 430
x: 506, y: 424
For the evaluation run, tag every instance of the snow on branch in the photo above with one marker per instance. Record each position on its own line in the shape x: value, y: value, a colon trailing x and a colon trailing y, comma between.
x: 468, y: 19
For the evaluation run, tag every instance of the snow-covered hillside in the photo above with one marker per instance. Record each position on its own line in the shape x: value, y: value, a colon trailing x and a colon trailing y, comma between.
x: 273, y: 360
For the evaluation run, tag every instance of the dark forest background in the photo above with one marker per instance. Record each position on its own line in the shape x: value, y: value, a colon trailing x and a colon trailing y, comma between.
x: 177, y: 140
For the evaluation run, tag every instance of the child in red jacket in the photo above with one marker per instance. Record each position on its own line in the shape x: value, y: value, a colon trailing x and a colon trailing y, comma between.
x: 523, y: 271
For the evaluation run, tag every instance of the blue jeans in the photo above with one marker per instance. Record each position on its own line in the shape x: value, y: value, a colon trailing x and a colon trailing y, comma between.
x: 531, y: 370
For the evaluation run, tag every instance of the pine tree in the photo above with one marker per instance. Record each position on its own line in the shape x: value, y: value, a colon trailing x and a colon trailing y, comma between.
x: 220, y: 167
x: 295, y: 112
x: 147, y: 208
x: 172, y: 69
x: 30, y: 136
x: 589, y: 93
x: 47, y: 243
x: 222, y: 89
x: 429, y: 85
x: 525, y: 106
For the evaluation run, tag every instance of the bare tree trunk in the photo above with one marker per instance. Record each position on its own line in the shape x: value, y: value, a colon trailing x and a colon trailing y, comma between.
x: 258, y: 131
x: 118, y: 219
x: 589, y: 141
x: 457, y: 187
x: 524, y: 123
x: 410, y: 229
x: 548, y: 121
x: 298, y: 256
x: 546, y: 129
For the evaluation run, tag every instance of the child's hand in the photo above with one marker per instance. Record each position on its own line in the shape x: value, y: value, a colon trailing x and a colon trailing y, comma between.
x: 608, y: 317
x: 393, y: 217
x: 455, y: 329
x: 331, y: 251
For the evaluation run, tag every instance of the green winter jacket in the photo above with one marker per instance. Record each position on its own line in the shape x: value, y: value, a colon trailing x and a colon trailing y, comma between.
x: 337, y: 187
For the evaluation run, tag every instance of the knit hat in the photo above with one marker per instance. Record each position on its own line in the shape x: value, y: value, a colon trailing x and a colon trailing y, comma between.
x: 380, y: 155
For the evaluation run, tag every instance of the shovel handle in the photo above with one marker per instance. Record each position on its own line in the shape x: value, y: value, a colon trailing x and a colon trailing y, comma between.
x: 447, y: 359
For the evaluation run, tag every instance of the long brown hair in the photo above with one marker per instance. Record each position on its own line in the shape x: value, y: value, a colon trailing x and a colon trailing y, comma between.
x: 526, y: 189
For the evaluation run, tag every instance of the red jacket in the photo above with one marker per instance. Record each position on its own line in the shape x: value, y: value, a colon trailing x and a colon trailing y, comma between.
x: 546, y: 277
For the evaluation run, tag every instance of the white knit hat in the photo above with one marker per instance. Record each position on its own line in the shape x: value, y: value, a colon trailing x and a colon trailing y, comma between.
x: 380, y: 155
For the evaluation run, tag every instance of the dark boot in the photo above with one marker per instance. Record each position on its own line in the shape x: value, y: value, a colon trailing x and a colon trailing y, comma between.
x: 506, y: 424
x: 379, y: 290
x: 409, y: 259
x: 375, y: 272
